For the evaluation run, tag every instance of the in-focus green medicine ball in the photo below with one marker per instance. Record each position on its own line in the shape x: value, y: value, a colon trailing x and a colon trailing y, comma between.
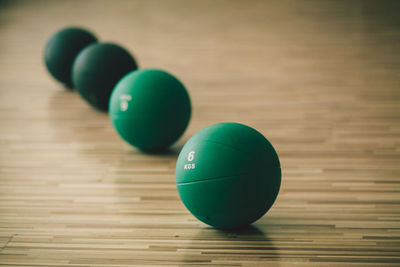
x: 97, y: 69
x: 228, y: 175
x: 61, y: 50
x: 150, y: 109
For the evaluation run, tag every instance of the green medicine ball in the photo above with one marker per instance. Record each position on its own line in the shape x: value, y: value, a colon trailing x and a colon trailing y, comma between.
x: 97, y: 69
x: 150, y: 109
x: 61, y: 50
x: 228, y: 175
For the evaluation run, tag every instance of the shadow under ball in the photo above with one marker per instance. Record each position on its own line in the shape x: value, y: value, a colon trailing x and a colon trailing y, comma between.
x: 97, y: 69
x: 61, y: 50
x: 150, y: 109
x: 228, y: 175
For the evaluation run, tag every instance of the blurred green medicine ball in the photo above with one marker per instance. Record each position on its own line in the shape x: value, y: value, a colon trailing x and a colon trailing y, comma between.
x: 228, y: 175
x: 97, y: 69
x: 61, y: 50
x: 150, y: 109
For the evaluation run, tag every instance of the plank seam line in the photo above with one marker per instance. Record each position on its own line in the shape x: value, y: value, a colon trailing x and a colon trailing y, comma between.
x: 8, y: 241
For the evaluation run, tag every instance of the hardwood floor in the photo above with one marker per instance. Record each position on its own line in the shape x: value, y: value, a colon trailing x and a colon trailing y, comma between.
x: 320, y: 79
